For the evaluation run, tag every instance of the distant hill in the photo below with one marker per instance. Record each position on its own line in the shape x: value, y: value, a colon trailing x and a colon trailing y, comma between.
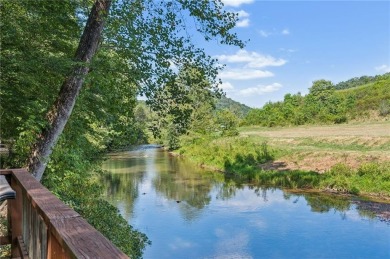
x: 371, y: 96
x: 239, y: 109
x: 366, y: 98
x: 358, y: 81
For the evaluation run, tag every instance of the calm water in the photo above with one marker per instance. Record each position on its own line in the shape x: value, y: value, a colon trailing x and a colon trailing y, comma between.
x: 190, y: 213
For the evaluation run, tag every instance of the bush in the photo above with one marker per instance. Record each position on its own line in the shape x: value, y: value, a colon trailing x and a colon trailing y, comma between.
x: 384, y: 108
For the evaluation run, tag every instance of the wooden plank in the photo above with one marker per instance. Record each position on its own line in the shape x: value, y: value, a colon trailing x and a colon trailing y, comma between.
x: 85, y: 241
x: 15, y: 208
x: 22, y: 248
x: 48, y: 205
x: 5, y: 171
x: 69, y: 235
x: 31, y: 245
x: 42, y: 238
x: 26, y: 217
x: 54, y: 249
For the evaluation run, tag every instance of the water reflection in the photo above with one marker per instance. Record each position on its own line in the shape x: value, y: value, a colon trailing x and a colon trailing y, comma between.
x: 190, y: 213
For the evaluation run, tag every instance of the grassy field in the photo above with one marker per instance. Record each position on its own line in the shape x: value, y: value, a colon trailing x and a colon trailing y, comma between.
x: 350, y: 158
x: 318, y: 148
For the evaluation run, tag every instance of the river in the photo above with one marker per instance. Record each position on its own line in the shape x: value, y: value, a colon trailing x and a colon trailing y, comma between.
x: 190, y: 213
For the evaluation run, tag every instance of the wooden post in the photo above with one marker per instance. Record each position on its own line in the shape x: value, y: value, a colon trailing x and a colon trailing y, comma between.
x: 54, y: 249
x: 15, y: 207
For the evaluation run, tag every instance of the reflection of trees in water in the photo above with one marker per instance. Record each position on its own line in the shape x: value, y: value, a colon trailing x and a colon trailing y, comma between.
x: 226, y: 190
x: 123, y: 188
x: 261, y: 192
x: 184, y: 183
x: 324, y: 203
x: 318, y: 202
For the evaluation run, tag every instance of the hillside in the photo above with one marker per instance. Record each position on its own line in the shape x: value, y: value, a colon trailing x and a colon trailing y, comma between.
x: 359, y: 81
x: 239, y: 109
x: 326, y: 105
x: 371, y: 98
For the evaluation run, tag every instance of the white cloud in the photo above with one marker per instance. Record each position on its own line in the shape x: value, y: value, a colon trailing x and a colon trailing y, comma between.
x: 253, y: 59
x: 260, y: 89
x: 245, y: 74
x: 236, y: 3
x: 242, y: 14
x: 264, y: 33
x: 242, y: 23
x: 181, y: 244
x: 383, y: 68
x: 226, y: 86
x: 288, y: 50
x: 231, y: 244
x: 258, y: 223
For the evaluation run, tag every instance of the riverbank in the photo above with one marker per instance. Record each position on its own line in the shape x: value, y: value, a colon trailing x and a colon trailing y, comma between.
x: 351, y: 158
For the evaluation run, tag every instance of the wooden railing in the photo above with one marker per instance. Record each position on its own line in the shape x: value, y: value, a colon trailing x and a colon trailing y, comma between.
x: 42, y: 226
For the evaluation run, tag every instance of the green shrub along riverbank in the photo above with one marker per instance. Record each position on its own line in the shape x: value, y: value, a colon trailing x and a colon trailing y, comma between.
x: 241, y: 158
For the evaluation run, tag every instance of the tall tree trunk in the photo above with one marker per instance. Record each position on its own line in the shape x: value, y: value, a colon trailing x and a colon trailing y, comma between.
x: 63, y: 106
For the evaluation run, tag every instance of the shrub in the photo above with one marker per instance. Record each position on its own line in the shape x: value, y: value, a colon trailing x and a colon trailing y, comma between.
x: 384, y: 108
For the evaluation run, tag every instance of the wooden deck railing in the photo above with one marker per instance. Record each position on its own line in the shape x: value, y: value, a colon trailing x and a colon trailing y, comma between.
x: 41, y: 226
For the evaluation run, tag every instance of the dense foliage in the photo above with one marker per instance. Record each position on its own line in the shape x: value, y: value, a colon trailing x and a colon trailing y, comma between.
x: 204, y: 121
x: 186, y: 106
x: 325, y: 105
x: 144, y: 45
x: 357, y: 81
x: 38, y: 41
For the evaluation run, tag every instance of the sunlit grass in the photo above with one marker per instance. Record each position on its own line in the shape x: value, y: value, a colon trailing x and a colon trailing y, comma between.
x: 240, y: 157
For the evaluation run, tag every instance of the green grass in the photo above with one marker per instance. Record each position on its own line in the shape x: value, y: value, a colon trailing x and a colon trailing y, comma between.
x: 355, y: 145
x: 239, y: 158
x: 368, y: 179
x: 227, y: 153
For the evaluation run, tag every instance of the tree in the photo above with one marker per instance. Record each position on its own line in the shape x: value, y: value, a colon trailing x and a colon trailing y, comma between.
x: 320, y: 86
x: 59, y: 113
x: 149, y: 36
x: 227, y: 122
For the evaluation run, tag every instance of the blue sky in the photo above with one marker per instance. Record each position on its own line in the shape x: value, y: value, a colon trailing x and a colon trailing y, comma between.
x: 293, y: 43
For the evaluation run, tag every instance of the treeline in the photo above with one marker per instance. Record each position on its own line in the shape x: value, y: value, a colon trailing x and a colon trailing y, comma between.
x: 358, y: 81
x: 205, y: 120
x: 326, y: 105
